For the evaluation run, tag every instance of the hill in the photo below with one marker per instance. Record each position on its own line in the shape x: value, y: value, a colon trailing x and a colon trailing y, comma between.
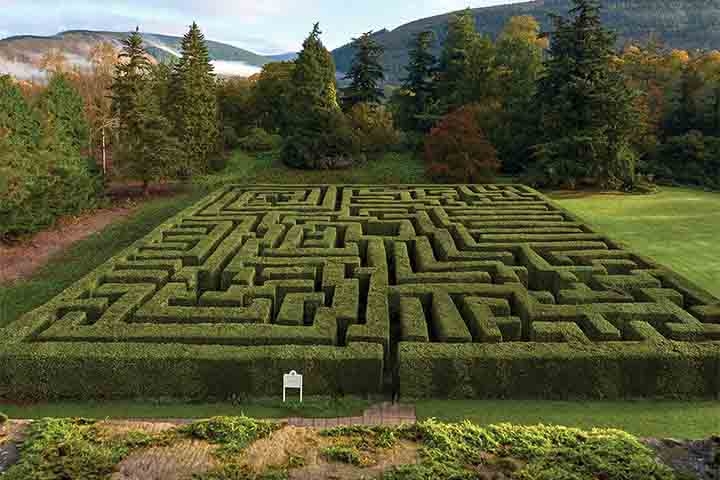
x: 20, y: 55
x: 686, y: 24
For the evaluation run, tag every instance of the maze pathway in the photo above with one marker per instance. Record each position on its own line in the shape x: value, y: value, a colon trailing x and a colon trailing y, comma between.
x: 468, y: 290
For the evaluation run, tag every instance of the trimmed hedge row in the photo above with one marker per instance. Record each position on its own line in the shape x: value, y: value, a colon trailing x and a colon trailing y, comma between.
x: 54, y: 370
x: 559, y: 370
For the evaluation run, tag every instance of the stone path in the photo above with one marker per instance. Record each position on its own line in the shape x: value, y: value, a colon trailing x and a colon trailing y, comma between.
x: 382, y: 414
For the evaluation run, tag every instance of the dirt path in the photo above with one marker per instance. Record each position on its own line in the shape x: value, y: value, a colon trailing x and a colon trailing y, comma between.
x: 20, y: 261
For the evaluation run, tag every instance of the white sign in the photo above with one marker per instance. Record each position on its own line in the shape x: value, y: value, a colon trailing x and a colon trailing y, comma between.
x: 292, y: 380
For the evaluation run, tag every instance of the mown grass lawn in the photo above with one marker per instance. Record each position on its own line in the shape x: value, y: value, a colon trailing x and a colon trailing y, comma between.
x: 678, y: 227
x: 644, y: 418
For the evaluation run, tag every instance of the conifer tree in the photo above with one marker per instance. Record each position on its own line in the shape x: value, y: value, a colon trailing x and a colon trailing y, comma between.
x: 366, y: 73
x: 194, y: 98
x: 417, y: 101
x: 317, y: 132
x: 19, y: 124
x: 63, y: 111
x: 147, y: 150
x: 586, y: 109
x: 455, y: 60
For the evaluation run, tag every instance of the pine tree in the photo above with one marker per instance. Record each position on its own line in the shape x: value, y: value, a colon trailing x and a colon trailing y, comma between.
x: 455, y: 60
x: 417, y: 101
x: 366, y: 73
x: 147, y: 150
x: 586, y: 109
x: 63, y: 111
x: 194, y: 99
x: 19, y: 124
x: 317, y: 132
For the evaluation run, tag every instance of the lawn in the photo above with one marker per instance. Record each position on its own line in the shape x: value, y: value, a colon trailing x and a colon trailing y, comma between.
x: 678, y: 227
x: 644, y: 418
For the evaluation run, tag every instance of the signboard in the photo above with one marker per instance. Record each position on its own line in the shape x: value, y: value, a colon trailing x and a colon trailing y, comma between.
x: 293, y: 380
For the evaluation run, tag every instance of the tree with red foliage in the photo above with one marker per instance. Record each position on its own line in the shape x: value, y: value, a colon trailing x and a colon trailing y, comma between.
x: 457, y: 150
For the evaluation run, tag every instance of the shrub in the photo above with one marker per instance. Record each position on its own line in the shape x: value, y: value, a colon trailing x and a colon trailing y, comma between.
x: 456, y: 150
x: 324, y: 140
x: 373, y: 129
x: 38, y: 187
x: 691, y: 159
x: 259, y: 140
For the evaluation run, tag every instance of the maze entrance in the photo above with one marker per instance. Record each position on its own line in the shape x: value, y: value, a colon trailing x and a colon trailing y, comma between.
x: 468, y: 290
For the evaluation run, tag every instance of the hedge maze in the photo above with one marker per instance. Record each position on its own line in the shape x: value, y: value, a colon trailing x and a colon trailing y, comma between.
x: 449, y: 291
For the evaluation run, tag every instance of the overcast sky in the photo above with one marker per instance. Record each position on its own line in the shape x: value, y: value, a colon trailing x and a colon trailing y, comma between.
x: 264, y: 26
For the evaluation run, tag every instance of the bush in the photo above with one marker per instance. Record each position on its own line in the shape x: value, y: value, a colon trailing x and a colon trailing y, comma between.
x: 689, y: 159
x: 456, y: 150
x: 259, y: 140
x: 38, y: 187
x: 323, y: 141
x: 373, y: 129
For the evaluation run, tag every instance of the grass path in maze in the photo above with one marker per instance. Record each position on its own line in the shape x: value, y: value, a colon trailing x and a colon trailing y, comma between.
x: 84, y: 256
x: 644, y: 418
x: 678, y: 227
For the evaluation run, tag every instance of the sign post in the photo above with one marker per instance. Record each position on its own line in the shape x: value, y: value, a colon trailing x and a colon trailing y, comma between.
x: 293, y: 380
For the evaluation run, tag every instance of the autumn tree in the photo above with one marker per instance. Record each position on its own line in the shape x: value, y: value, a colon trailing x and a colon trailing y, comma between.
x: 194, y: 102
x: 457, y: 150
x: 585, y: 107
x: 366, y: 72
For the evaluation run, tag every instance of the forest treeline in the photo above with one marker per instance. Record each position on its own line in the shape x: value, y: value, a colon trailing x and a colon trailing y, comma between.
x: 564, y: 109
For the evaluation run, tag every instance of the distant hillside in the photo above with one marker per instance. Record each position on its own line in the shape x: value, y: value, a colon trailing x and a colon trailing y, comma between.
x: 20, y: 55
x: 687, y: 24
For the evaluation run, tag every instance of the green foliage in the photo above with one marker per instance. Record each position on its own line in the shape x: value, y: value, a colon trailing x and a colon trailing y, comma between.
x: 194, y: 100
x: 37, y: 187
x: 147, y: 149
x: 259, y: 140
x: 415, y: 102
x: 530, y: 453
x: 3, y: 418
x: 232, y: 434
x: 65, y: 126
x: 346, y: 454
x: 236, y: 103
x: 373, y: 129
x: 318, y: 135
x: 71, y: 448
x: 272, y: 96
x: 365, y: 74
x: 19, y: 123
x: 456, y: 150
x: 690, y: 159
x: 584, y: 104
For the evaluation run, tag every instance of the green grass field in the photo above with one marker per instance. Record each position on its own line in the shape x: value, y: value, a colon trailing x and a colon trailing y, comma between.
x: 678, y: 227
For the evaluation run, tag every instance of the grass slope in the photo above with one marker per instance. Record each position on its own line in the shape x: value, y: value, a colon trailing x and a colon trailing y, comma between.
x: 679, y: 227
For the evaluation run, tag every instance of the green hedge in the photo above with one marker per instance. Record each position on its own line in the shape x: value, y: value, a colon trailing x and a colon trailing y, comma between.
x: 559, y: 370
x: 54, y: 370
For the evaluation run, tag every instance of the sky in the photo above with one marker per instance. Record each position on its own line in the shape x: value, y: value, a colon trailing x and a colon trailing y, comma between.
x: 262, y: 26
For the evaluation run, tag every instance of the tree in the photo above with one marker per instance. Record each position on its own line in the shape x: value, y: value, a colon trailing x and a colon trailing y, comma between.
x: 455, y: 60
x: 417, y: 95
x: 317, y: 133
x: 272, y: 96
x: 586, y: 109
x: 19, y: 124
x: 194, y: 100
x: 63, y: 111
x: 456, y: 150
x: 147, y: 148
x: 366, y: 72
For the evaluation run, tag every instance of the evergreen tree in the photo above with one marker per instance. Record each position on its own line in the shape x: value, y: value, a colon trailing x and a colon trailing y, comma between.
x: 147, y: 149
x: 455, y: 60
x: 417, y: 101
x: 586, y: 110
x: 19, y: 124
x: 63, y: 110
x: 317, y: 133
x: 194, y: 100
x: 366, y: 72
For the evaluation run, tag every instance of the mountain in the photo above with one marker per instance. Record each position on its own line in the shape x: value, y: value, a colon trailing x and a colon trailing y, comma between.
x: 686, y: 24
x: 20, y: 55
x: 284, y: 57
